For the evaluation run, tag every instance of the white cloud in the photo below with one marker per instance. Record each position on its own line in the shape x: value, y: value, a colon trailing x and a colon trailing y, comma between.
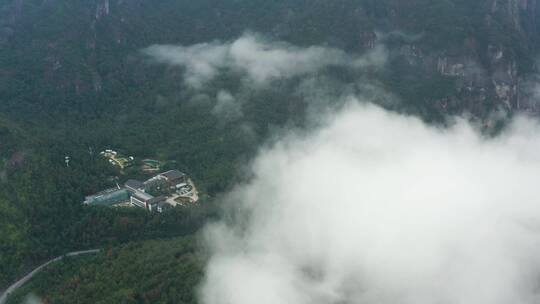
x: 202, y: 61
x: 258, y: 59
x: 227, y: 107
x: 375, y: 207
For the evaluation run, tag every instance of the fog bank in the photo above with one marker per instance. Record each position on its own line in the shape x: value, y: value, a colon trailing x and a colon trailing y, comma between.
x: 376, y: 207
x: 258, y: 59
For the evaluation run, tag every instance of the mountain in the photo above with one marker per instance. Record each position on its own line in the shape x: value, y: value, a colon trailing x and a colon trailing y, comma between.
x: 153, y: 271
x: 79, y: 55
x: 74, y: 77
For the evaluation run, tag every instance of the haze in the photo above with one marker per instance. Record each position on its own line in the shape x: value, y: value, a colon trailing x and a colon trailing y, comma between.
x: 377, y: 207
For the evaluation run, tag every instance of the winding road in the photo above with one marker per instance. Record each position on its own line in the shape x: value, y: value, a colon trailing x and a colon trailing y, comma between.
x: 26, y: 278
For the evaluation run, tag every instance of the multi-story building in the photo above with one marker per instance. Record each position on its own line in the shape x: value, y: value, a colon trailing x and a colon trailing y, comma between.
x: 109, y: 197
x: 158, y: 193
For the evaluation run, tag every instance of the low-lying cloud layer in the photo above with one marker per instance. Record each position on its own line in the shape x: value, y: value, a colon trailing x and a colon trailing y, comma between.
x: 227, y: 107
x: 236, y: 73
x: 259, y: 60
x: 378, y: 208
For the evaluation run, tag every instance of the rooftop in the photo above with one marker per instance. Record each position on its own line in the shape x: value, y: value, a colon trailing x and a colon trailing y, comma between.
x: 157, y: 200
x: 108, y: 197
x: 164, y: 205
x: 173, y: 174
x: 143, y: 196
x: 104, y: 192
x: 134, y: 184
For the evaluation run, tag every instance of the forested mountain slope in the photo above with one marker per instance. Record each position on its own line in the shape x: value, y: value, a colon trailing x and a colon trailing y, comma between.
x: 74, y: 78
x: 78, y: 58
x: 142, y: 272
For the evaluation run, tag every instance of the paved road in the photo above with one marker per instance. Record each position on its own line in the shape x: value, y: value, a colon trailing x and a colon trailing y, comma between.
x: 26, y: 278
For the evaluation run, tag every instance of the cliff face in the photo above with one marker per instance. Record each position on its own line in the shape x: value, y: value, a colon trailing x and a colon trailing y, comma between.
x: 510, y: 83
x: 9, y: 14
x: 494, y: 65
x: 487, y: 49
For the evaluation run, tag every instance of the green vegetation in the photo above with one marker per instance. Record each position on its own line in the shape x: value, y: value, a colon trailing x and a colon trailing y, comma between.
x: 141, y: 272
x: 42, y: 215
x: 70, y: 82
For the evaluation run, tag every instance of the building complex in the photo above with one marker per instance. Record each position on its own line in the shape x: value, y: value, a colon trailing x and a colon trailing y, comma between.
x: 159, y: 193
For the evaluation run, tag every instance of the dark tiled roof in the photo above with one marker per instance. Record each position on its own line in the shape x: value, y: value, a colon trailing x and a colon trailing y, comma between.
x: 142, y: 196
x: 134, y: 184
x: 173, y: 174
x: 164, y: 205
x: 157, y: 200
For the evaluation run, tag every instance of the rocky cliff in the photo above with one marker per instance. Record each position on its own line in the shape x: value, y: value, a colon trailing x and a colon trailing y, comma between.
x: 494, y: 64
x: 486, y: 49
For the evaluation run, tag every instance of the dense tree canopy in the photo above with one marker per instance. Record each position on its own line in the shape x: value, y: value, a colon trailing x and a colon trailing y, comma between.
x: 73, y: 80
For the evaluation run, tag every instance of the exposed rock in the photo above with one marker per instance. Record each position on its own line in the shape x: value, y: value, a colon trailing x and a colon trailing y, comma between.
x: 414, y: 55
x: 368, y: 39
x: 102, y: 8
x: 485, y: 69
x: 454, y: 68
x: 97, y: 81
x: 9, y: 14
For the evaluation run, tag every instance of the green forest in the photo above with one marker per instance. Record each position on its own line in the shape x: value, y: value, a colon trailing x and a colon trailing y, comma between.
x: 154, y: 271
x: 74, y: 81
